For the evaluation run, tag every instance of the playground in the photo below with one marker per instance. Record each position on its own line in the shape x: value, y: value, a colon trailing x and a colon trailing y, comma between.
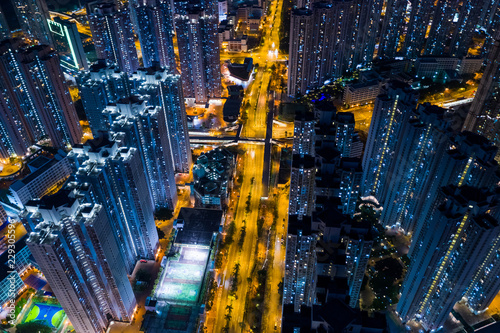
x: 51, y: 314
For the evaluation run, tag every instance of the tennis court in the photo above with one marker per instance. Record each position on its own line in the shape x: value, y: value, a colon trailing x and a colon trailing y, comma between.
x: 185, y: 272
x: 183, y: 275
x: 182, y: 292
x: 178, y: 317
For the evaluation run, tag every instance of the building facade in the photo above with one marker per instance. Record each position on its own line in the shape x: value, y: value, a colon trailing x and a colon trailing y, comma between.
x: 299, y: 283
x: 81, y: 261
x: 485, y: 108
x: 304, y: 134
x: 199, y: 50
x: 68, y: 44
x: 35, y: 101
x: 119, y: 183
x: 33, y: 16
x: 113, y: 34
x: 144, y: 128
x: 155, y: 30
x: 447, y: 254
x: 392, y: 109
x: 302, y: 185
x: 101, y: 85
x: 165, y: 90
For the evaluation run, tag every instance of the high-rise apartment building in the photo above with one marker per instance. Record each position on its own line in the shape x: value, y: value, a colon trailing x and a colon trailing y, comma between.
x: 423, y: 141
x: 491, y: 23
x: 49, y: 92
x: 344, y: 133
x: 460, y: 229
x: 419, y: 17
x: 199, y: 53
x: 145, y: 129
x: 411, y: 29
x: 359, y: 244
x: 299, y: 282
x: 101, y: 85
x: 366, y: 32
x: 350, y: 176
x: 431, y: 154
x: 35, y: 99
x: 68, y: 44
x: 4, y: 27
x: 393, y: 26
x: 33, y: 15
x: 485, y: 284
x: 301, y: 27
x: 119, y: 183
x: 316, y: 56
x: 163, y: 89
x: 440, y: 28
x: 392, y: 109
x: 113, y: 34
x: 470, y: 160
x: 81, y: 260
x: 15, y: 137
x: 303, y: 133
x: 485, y: 108
x: 155, y: 30
x: 302, y: 186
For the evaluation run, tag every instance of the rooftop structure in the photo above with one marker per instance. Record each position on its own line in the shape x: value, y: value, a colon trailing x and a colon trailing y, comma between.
x: 213, y: 173
x: 198, y: 226
x: 241, y: 73
x: 231, y: 109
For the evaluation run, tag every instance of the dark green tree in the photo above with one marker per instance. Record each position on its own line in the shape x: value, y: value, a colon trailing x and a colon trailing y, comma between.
x: 161, y: 234
x: 38, y: 326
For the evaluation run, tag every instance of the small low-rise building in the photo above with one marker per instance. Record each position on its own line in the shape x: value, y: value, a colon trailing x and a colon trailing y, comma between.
x: 365, y: 90
x: 46, y: 172
x: 470, y: 65
x: 241, y: 74
x: 213, y: 178
x: 231, y: 109
x: 238, y: 44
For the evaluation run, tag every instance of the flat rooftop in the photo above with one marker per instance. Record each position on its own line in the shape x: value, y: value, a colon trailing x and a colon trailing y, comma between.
x: 197, y: 226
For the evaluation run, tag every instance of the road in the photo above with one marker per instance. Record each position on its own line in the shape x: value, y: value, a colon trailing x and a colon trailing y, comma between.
x: 251, y: 167
x: 278, y: 267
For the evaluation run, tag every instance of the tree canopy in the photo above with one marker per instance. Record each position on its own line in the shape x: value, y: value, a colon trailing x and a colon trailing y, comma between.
x: 38, y: 326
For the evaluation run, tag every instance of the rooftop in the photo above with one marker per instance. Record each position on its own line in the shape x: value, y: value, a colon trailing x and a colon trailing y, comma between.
x: 303, y: 161
x: 16, y: 186
x: 59, y: 199
x: 197, y: 225
x: 241, y: 71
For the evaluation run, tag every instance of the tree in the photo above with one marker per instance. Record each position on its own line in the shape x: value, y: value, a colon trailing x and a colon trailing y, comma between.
x: 161, y: 234
x: 163, y: 214
x: 34, y: 326
x: 143, y: 275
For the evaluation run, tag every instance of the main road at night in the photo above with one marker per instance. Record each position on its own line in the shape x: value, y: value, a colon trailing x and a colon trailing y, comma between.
x: 250, y: 166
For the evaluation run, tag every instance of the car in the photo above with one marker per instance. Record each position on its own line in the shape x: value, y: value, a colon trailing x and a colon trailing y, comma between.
x: 142, y: 260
